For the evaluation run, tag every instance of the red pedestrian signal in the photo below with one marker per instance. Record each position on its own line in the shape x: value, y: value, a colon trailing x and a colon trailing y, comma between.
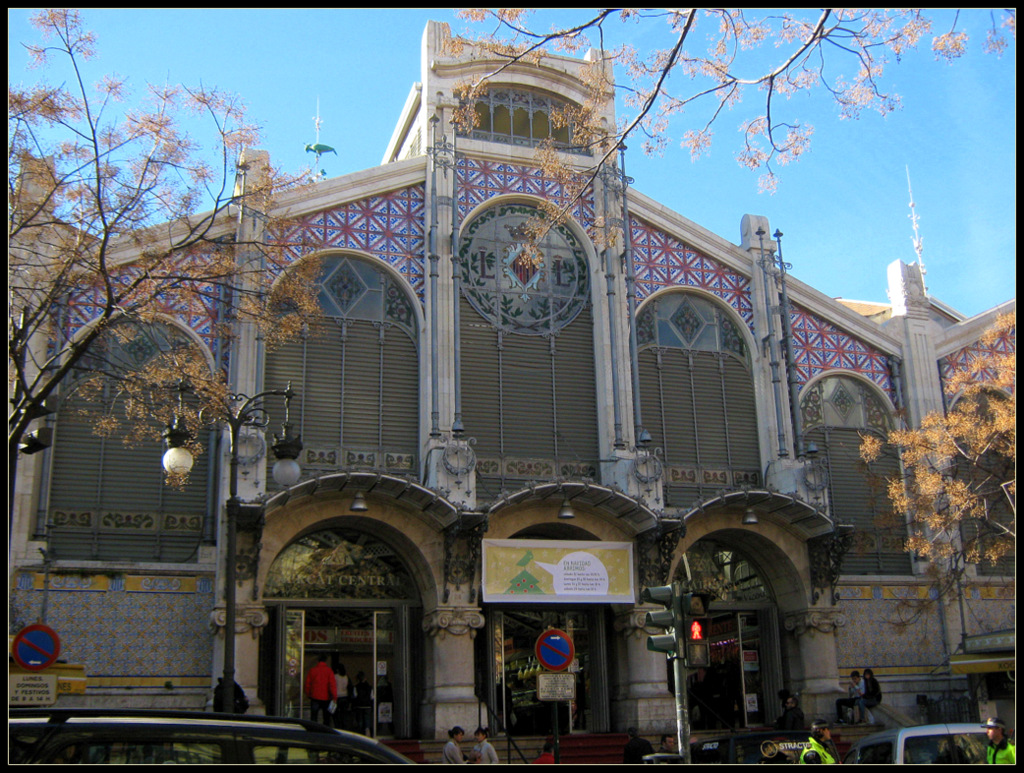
x: 696, y: 630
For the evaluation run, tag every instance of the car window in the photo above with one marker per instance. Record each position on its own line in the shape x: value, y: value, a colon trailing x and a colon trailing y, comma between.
x: 876, y: 754
x: 139, y: 752
x: 710, y: 752
x: 971, y: 747
x: 22, y: 738
x: 286, y: 754
x: 929, y: 749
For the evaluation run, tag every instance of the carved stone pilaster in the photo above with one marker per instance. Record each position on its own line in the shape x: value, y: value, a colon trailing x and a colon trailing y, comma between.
x: 453, y: 621
x: 462, y: 542
x: 821, y: 620
x: 251, y: 620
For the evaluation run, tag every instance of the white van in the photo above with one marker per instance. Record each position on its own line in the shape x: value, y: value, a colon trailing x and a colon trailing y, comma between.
x: 954, y: 744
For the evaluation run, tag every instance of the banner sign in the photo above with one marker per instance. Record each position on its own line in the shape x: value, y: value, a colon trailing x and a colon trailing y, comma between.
x: 549, y: 572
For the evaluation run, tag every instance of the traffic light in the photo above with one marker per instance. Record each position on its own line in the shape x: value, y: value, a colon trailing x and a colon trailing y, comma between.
x: 670, y: 618
x: 696, y: 630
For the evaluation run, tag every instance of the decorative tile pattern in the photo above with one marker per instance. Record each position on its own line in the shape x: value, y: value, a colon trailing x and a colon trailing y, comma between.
x: 390, y: 226
x: 479, y: 181
x: 202, y: 315
x: 963, y: 359
x: 128, y: 632
x: 662, y: 261
x: 820, y: 346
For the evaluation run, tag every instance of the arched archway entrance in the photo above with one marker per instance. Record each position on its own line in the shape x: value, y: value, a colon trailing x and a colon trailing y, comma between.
x: 345, y: 593
x: 741, y: 686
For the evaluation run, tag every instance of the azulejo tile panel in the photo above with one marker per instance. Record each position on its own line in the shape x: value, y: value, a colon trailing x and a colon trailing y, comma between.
x: 963, y: 359
x: 389, y: 226
x: 126, y: 626
x: 661, y: 261
x: 820, y: 346
x: 480, y: 180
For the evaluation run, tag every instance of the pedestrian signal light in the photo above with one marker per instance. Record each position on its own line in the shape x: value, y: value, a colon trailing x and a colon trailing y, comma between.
x: 696, y: 630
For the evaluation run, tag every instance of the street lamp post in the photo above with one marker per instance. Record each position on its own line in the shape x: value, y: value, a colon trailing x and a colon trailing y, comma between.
x: 248, y: 413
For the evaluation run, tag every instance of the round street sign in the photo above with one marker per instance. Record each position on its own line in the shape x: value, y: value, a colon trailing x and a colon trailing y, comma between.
x: 35, y: 647
x: 555, y: 650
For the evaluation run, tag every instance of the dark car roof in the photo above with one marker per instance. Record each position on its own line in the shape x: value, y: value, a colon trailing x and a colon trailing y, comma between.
x: 293, y: 727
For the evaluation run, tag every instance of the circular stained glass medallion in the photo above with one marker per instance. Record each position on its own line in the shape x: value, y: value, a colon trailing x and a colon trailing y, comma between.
x: 521, y: 272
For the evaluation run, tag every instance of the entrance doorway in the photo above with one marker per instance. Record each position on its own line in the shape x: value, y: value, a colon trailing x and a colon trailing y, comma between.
x: 740, y: 687
x: 511, y: 685
x: 344, y: 595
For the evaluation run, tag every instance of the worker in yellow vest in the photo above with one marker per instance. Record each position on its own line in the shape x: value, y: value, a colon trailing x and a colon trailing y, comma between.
x: 822, y: 750
x: 1000, y: 751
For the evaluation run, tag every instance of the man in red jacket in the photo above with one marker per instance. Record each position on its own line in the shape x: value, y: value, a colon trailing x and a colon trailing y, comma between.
x: 321, y: 689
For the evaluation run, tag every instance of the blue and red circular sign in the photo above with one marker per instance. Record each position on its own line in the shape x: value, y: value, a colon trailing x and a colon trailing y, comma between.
x: 35, y: 647
x: 555, y: 650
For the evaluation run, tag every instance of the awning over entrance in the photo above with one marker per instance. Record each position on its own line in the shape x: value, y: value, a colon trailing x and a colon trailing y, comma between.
x: 592, y: 495
x: 811, y: 521
x: 404, y: 490
x: 985, y: 653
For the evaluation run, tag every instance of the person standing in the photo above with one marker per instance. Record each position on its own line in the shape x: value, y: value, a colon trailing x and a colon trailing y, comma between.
x: 452, y: 752
x: 484, y: 752
x: 636, y: 747
x: 343, y: 688
x: 792, y: 715
x: 872, y: 696
x: 999, y: 751
x: 363, y: 704
x: 321, y: 689
x: 547, y: 755
x: 822, y: 751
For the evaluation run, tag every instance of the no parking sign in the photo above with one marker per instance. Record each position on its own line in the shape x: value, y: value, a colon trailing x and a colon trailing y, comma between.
x: 555, y: 650
x: 35, y: 647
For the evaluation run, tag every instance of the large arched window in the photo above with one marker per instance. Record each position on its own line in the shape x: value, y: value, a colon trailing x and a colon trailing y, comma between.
x: 697, y: 396
x: 518, y: 117
x: 529, y: 393
x: 108, y: 500
x: 836, y: 411
x: 356, y: 372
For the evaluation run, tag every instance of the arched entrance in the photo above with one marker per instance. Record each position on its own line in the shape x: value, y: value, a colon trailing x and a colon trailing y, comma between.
x: 344, y: 593
x: 740, y: 687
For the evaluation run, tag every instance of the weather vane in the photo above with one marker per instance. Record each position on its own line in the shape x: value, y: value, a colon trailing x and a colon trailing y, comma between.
x: 318, y: 148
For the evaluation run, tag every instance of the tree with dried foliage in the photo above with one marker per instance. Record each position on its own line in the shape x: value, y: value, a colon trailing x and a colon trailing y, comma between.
x: 714, y: 58
x: 119, y: 219
x: 958, y: 487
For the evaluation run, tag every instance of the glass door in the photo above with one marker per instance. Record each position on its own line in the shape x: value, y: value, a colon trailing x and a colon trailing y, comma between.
x: 514, y: 636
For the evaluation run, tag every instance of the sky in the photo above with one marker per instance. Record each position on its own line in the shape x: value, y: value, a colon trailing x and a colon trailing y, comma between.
x: 843, y: 207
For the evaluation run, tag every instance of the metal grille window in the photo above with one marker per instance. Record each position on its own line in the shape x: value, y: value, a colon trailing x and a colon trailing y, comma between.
x: 529, y: 393
x: 517, y: 117
x: 356, y: 373
x: 697, y: 393
x: 836, y: 411
x: 107, y: 497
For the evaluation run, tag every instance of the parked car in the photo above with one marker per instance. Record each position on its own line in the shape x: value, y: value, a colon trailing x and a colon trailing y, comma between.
x: 954, y: 744
x: 97, y: 736
x: 767, y: 746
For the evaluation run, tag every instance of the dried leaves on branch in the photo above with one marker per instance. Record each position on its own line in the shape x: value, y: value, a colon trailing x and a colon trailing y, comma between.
x: 959, y: 484
x: 130, y: 207
x: 715, y: 58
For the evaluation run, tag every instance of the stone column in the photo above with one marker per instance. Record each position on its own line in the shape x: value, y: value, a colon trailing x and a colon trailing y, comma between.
x: 815, y: 631
x: 449, y: 699
x: 640, y: 698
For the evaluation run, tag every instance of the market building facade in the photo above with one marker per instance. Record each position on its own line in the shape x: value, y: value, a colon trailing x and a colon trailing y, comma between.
x: 498, y: 441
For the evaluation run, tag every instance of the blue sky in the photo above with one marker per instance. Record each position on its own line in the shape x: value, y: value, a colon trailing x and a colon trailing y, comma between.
x: 843, y: 207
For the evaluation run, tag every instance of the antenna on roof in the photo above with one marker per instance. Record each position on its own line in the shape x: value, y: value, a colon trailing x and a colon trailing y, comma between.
x: 317, y: 147
x: 916, y: 238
